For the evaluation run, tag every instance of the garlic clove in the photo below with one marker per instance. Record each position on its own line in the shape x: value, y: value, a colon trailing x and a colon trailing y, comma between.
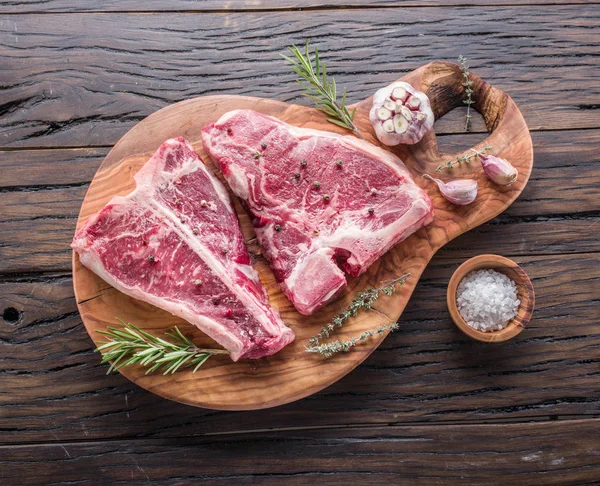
x: 389, y: 104
x: 388, y: 126
x: 413, y: 103
x: 384, y: 113
x: 400, y: 124
x: 406, y: 113
x: 399, y: 93
x: 396, y: 98
x: 460, y: 191
x: 499, y: 171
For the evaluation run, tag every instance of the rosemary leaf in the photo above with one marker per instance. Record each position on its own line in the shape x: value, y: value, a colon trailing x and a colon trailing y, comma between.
x: 321, y: 88
x: 131, y: 345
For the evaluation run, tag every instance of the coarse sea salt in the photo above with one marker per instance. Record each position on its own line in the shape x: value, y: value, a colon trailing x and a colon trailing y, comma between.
x: 487, y: 300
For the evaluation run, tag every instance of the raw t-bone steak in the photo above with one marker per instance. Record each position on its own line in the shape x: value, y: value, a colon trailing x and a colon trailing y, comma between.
x: 319, y: 200
x: 175, y: 242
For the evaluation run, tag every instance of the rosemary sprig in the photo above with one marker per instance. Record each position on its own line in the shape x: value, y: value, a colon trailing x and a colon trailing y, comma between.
x: 364, y: 300
x: 131, y: 345
x: 466, y: 157
x: 321, y: 88
x: 467, y: 83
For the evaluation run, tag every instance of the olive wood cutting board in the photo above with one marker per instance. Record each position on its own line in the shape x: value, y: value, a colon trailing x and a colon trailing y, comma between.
x: 293, y: 373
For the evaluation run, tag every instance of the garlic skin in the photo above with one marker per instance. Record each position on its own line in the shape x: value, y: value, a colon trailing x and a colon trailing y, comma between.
x: 460, y: 191
x: 400, y: 114
x: 498, y: 170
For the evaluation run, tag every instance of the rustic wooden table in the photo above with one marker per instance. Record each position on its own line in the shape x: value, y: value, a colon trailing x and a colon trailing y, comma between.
x: 430, y: 406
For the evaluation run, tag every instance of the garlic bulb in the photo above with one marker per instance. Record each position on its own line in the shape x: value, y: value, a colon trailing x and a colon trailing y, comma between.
x: 460, y: 191
x: 400, y: 114
x: 498, y: 170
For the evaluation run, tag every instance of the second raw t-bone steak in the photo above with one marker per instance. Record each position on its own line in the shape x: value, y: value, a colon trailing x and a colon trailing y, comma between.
x: 175, y: 242
x: 319, y: 200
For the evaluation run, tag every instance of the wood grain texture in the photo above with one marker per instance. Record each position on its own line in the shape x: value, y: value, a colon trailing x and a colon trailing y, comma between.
x: 293, y: 373
x: 101, y: 74
x: 54, y: 6
x: 539, y: 453
x: 75, y: 76
x: 427, y: 371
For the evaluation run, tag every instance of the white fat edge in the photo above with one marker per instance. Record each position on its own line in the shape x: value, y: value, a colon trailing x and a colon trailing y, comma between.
x: 238, y: 181
x: 249, y: 271
x: 219, y: 189
x: 227, y: 116
x: 211, y: 327
x: 330, y: 294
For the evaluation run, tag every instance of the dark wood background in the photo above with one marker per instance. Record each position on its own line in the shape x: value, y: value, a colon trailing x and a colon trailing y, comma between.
x: 430, y: 406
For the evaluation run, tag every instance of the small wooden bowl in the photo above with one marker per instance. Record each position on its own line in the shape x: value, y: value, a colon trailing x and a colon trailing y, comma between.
x: 524, y: 291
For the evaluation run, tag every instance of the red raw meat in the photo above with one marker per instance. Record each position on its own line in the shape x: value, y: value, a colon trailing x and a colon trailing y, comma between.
x: 176, y: 243
x: 319, y: 200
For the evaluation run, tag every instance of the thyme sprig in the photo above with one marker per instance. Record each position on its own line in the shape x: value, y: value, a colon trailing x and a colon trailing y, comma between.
x: 466, y: 157
x: 329, y: 349
x: 364, y: 300
x: 467, y: 83
x: 320, y: 87
x: 131, y: 345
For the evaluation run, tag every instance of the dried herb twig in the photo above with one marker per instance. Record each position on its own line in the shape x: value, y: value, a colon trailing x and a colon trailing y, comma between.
x: 131, y: 345
x: 466, y: 157
x: 467, y: 83
x: 364, y: 300
x: 321, y: 88
x: 329, y: 349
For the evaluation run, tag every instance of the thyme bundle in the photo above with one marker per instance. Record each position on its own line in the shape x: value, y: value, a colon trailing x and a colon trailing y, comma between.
x: 131, y: 345
x: 467, y: 83
x: 466, y: 157
x: 364, y: 300
x: 321, y: 88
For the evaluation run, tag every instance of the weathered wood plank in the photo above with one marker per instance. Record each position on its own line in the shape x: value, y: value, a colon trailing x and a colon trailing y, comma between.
x: 87, y: 80
x: 557, y: 212
x: 54, y: 6
x: 539, y: 453
x: 39, y: 169
x: 53, y: 387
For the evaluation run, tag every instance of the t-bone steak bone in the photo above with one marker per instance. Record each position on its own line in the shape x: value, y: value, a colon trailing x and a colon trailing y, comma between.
x: 319, y: 200
x: 176, y: 243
